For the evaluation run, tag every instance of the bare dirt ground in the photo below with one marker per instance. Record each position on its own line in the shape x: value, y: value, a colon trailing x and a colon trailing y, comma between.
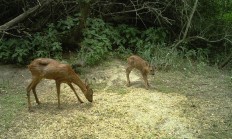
x: 177, y: 105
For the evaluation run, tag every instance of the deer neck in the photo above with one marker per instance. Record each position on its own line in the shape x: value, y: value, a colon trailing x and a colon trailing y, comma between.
x: 78, y: 82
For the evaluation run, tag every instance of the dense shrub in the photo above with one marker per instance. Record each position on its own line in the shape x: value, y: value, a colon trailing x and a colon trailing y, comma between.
x: 99, y: 40
x: 22, y: 50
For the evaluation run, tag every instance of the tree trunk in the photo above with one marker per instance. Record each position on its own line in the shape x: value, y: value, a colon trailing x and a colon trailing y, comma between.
x: 84, y: 13
x: 77, y: 34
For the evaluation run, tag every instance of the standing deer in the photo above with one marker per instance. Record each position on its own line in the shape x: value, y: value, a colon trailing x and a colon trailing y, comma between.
x: 140, y: 64
x: 62, y: 73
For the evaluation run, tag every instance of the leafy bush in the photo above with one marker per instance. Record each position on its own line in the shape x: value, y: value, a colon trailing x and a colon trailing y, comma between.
x: 97, y: 41
x: 22, y: 50
x: 68, y: 23
x: 100, y: 38
x: 46, y: 44
x: 152, y: 38
x: 129, y: 36
x: 14, y: 50
x: 40, y: 44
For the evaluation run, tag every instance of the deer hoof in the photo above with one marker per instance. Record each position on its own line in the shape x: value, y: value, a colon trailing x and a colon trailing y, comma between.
x: 30, y: 110
x: 147, y: 87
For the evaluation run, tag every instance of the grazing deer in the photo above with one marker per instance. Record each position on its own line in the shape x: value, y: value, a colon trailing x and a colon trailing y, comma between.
x: 62, y: 73
x: 140, y: 64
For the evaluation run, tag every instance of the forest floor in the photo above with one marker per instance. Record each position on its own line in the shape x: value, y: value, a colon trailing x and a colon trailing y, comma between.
x: 179, y: 104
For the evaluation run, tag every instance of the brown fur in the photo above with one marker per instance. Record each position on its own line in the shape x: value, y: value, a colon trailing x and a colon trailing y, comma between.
x: 136, y: 62
x: 62, y: 73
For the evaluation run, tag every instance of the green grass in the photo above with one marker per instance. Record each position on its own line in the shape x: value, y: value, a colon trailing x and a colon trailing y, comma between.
x: 209, y: 97
x: 11, y: 103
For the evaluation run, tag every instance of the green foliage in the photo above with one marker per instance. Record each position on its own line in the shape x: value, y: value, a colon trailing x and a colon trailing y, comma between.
x: 40, y: 44
x: 22, y: 50
x: 152, y: 38
x: 66, y: 25
x: 100, y: 38
x: 14, y: 50
x: 46, y: 44
x: 227, y: 17
x: 129, y: 36
x: 198, y: 54
x: 166, y: 58
x: 122, y: 52
x: 97, y: 41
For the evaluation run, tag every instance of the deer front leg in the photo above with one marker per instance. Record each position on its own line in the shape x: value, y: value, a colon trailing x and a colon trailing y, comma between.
x: 36, y: 98
x: 145, y: 80
x: 71, y: 86
x: 58, y: 92
x: 128, y: 71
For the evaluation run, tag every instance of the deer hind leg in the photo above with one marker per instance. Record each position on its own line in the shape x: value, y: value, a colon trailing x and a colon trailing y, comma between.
x: 58, y: 92
x: 32, y: 87
x: 71, y: 86
x: 34, y: 92
x: 128, y: 71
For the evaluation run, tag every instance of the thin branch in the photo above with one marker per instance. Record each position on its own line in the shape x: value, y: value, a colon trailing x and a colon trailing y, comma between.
x: 210, y: 41
x: 139, y: 9
x: 137, y: 15
x: 23, y: 16
x: 129, y: 11
x: 190, y: 19
x: 188, y: 25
